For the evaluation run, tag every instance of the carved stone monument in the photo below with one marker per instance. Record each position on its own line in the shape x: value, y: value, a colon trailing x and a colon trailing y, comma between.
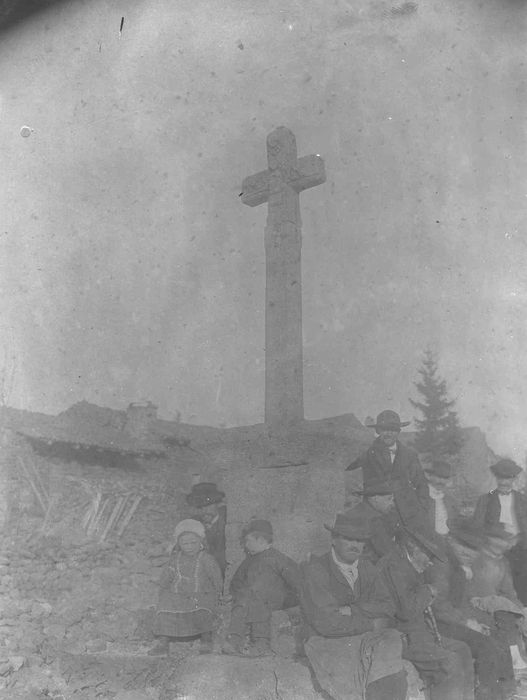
x: 280, y: 186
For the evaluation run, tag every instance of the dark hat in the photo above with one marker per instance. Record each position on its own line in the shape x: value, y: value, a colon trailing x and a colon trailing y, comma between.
x: 463, y: 530
x: 423, y: 542
x: 258, y: 527
x: 388, y: 420
x: 355, y: 524
x: 505, y: 469
x: 440, y: 469
x: 204, y: 494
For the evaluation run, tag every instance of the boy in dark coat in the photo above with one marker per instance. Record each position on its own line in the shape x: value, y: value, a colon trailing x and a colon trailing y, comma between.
x: 507, y: 506
x: 266, y: 580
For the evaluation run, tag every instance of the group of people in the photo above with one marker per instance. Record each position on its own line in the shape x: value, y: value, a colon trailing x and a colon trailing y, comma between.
x: 407, y: 583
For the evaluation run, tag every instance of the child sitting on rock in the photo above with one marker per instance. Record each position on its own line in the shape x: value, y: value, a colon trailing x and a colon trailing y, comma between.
x: 266, y: 580
x: 190, y: 589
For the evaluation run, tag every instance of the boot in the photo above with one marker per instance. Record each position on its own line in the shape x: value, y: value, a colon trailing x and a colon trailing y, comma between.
x: 161, y: 648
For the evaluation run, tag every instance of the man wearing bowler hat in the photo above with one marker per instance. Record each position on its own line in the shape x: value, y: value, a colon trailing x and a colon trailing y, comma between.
x: 387, y: 459
x: 507, y: 506
x: 208, y: 507
x: 351, y: 648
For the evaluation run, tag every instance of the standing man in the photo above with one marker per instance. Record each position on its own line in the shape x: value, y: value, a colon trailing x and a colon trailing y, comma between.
x: 388, y: 460
x: 507, y: 506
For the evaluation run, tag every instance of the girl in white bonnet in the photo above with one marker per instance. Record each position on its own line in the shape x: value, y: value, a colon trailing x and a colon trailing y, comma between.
x: 190, y: 588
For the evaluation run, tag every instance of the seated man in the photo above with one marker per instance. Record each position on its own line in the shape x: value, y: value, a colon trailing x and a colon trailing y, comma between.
x: 491, y: 589
x: 379, y: 506
x: 507, y: 506
x: 266, y: 580
x: 445, y: 665
x: 458, y: 619
x: 347, y: 608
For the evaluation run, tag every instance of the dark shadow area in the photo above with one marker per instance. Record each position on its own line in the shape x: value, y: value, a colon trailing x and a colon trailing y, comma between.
x: 65, y: 452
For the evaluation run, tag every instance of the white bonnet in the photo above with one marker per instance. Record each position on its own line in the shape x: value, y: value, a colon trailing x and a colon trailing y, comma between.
x: 189, y: 525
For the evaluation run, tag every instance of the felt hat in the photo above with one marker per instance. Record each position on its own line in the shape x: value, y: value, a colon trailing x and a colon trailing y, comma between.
x: 258, y: 527
x: 388, y: 420
x: 355, y: 524
x: 423, y: 542
x: 464, y: 531
x: 505, y: 469
x: 204, y: 494
x: 189, y: 525
x: 441, y: 469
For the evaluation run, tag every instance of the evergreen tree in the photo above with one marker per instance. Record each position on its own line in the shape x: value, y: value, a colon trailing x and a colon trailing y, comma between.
x: 438, y: 432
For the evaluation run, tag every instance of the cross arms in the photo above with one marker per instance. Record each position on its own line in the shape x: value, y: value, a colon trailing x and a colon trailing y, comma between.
x: 309, y: 172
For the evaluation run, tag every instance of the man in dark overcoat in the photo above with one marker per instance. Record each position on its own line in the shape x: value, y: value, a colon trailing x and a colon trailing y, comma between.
x: 507, y: 506
x: 348, y: 609
x: 458, y: 619
x: 388, y: 460
x: 445, y: 664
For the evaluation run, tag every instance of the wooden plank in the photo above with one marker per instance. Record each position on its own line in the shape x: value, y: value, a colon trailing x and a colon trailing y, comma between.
x: 128, y: 517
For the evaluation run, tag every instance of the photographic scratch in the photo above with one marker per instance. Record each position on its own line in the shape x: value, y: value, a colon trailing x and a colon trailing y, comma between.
x: 121, y: 27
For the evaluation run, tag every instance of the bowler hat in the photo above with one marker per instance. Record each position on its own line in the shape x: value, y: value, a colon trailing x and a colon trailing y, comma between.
x: 258, y: 527
x: 505, y: 469
x: 355, y: 524
x: 441, y: 469
x: 388, y: 420
x: 204, y: 494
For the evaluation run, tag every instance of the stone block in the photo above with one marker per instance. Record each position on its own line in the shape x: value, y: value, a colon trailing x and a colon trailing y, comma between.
x: 235, y: 678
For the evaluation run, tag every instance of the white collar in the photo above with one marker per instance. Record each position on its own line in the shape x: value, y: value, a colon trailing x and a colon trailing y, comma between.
x: 348, y: 568
x: 435, y: 493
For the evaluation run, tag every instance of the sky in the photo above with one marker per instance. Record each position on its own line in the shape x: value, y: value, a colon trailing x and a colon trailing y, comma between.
x: 130, y: 269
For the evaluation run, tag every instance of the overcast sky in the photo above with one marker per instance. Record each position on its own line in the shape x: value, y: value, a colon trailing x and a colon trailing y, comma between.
x: 130, y: 268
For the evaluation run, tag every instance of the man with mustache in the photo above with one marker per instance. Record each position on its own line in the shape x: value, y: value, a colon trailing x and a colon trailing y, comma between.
x: 351, y: 649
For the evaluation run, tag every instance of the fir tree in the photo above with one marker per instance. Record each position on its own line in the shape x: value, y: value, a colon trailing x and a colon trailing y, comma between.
x: 438, y: 432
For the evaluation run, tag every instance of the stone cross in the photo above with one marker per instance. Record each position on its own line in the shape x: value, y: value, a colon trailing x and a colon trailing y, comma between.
x: 280, y: 186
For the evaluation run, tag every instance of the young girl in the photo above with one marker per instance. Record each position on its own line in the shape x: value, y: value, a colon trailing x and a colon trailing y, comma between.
x: 190, y: 588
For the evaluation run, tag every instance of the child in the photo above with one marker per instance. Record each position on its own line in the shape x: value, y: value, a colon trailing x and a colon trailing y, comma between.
x: 191, y: 585
x: 207, y: 502
x: 266, y: 580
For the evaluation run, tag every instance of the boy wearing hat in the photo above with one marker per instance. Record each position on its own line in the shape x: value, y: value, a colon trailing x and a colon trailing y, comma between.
x: 379, y: 506
x: 266, y: 580
x: 388, y: 460
x: 348, y: 609
x: 208, y: 507
x: 507, y: 506
x: 444, y: 664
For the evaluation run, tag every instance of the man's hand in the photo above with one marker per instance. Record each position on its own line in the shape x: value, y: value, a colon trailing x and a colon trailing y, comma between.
x: 345, y: 610
x: 477, y: 627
